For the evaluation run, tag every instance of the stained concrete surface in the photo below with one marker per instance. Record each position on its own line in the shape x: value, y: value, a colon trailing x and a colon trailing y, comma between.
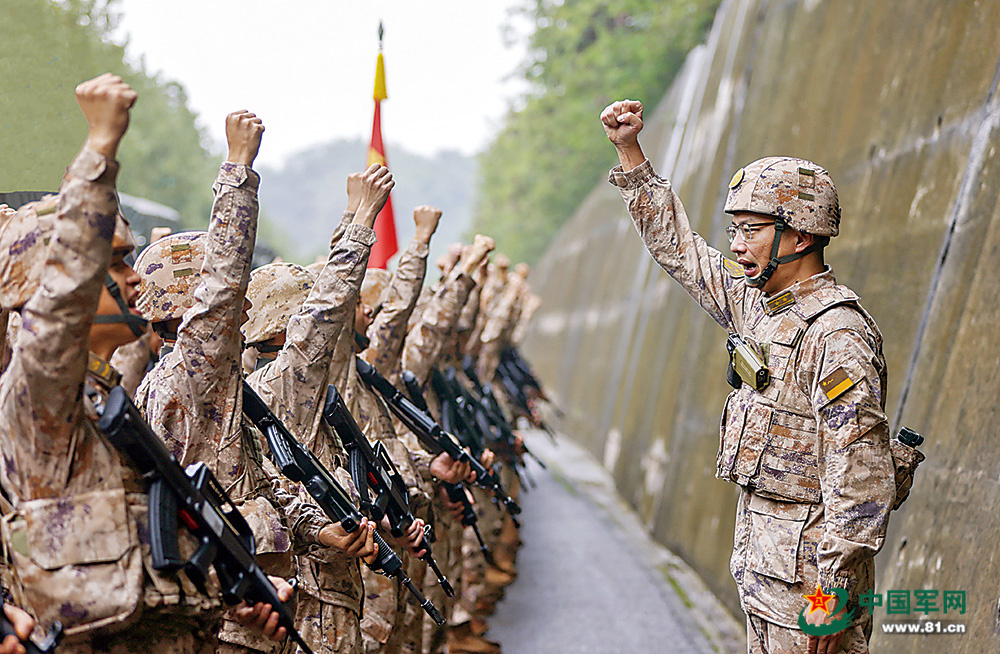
x: 591, y: 580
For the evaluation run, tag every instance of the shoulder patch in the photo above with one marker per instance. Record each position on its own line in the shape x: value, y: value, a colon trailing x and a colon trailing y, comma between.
x: 734, y: 269
x: 836, y: 384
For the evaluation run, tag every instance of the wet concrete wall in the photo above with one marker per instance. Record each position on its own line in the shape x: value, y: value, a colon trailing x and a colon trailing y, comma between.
x: 898, y: 100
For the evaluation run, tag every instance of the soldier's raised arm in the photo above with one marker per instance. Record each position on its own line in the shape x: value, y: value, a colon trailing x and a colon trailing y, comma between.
x: 193, y: 290
x: 56, y: 289
x: 715, y: 282
x: 398, y: 300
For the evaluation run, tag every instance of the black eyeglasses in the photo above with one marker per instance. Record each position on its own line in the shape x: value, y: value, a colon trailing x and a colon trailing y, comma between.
x: 746, y: 230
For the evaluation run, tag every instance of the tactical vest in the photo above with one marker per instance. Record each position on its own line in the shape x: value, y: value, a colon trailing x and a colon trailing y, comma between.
x: 80, y: 559
x: 769, y: 441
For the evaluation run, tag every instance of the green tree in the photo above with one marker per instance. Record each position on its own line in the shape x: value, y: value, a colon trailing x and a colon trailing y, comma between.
x: 551, y: 151
x: 50, y: 47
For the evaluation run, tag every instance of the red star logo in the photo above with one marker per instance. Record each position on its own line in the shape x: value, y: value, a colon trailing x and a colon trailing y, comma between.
x: 819, y: 600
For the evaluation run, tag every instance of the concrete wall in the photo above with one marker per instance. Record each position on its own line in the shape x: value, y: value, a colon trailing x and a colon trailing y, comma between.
x: 897, y: 98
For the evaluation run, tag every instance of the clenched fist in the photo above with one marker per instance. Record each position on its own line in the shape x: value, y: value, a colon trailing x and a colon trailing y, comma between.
x: 243, y: 132
x: 105, y: 102
x: 376, y: 182
x: 622, y: 122
x: 426, y: 218
x: 476, y: 253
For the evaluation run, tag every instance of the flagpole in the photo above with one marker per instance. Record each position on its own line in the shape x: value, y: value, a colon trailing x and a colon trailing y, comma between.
x: 385, y: 225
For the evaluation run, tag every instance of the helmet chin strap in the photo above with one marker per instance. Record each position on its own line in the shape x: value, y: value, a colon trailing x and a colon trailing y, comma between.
x: 135, y: 323
x: 772, y: 265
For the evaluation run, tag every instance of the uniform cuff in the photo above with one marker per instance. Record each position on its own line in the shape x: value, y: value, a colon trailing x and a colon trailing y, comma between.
x: 632, y: 179
x: 419, y: 249
x: 93, y: 166
x: 237, y: 175
x: 360, y: 233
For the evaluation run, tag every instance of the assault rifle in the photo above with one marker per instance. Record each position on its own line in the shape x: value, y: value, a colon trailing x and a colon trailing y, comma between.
x: 299, y: 464
x: 456, y: 492
x: 515, y: 380
x: 47, y: 644
x: 489, y: 406
x: 431, y: 434
x: 195, y: 495
x: 373, y: 470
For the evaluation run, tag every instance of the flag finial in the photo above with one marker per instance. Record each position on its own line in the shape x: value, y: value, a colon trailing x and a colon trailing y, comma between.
x: 381, y: 31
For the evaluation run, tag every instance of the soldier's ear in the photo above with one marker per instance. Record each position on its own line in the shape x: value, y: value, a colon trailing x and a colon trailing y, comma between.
x: 803, y: 240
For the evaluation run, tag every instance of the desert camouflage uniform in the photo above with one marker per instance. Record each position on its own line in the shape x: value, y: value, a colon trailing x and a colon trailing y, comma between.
x: 387, y: 334
x: 294, y: 387
x: 78, y: 537
x: 530, y: 306
x: 811, y: 450
x: 193, y: 397
x: 431, y: 332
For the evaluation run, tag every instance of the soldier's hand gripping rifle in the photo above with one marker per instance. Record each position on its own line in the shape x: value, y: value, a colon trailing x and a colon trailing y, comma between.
x: 373, y: 470
x: 431, y: 434
x: 298, y: 463
x: 456, y: 492
x: 46, y: 646
x: 195, y: 496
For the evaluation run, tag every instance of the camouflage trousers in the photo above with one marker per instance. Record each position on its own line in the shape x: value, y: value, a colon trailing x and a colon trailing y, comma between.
x: 385, y: 606
x: 765, y: 637
x: 328, y: 628
x: 152, y: 634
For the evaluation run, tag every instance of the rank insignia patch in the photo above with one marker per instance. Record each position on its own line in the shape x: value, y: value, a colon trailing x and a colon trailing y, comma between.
x: 835, y: 384
x: 779, y: 302
x: 733, y: 268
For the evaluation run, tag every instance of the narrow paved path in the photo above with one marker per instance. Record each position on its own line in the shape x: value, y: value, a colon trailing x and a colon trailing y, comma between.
x: 587, y: 575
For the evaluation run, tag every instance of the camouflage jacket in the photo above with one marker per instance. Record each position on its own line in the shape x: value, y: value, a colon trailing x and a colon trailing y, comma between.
x: 294, y: 387
x: 193, y: 396
x: 811, y: 450
x: 74, y: 538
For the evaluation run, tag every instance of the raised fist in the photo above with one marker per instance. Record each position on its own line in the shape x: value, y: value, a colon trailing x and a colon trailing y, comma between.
x: 476, y: 253
x: 502, y: 263
x: 426, y: 218
x: 622, y: 122
x: 243, y: 132
x: 376, y: 182
x: 105, y: 102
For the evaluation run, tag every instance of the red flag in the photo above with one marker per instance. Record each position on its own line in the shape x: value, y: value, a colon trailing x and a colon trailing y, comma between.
x: 385, y: 225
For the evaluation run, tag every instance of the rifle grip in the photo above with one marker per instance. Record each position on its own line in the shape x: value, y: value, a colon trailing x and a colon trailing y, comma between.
x: 163, y: 527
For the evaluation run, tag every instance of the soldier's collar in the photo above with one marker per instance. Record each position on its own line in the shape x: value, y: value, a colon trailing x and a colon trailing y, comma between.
x: 102, y: 371
x: 777, y: 303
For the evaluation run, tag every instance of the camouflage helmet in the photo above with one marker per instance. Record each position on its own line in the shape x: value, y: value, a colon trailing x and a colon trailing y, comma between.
x: 277, y: 291
x: 25, y: 235
x: 375, y: 282
x: 170, y: 270
x: 796, y: 190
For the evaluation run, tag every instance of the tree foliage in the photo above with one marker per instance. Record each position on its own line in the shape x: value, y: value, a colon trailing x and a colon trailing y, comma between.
x: 551, y: 151
x: 50, y: 47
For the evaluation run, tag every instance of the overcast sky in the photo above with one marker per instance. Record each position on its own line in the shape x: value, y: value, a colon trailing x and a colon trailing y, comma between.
x: 307, y: 67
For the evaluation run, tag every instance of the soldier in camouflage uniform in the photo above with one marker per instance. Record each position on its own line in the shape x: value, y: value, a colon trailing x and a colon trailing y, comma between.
x: 810, y: 449
x: 194, y: 287
x: 329, y: 606
x: 76, y: 532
